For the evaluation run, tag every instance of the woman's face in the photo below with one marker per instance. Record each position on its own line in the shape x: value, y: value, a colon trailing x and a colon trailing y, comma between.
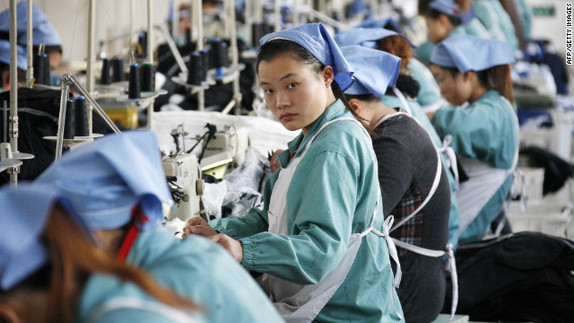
x: 437, y: 31
x: 294, y: 92
x: 456, y: 89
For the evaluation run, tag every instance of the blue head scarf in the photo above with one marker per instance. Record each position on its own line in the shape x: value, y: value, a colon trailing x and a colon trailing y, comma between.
x: 381, y: 23
x: 375, y: 70
x: 25, y: 210
x: 316, y: 39
x: 448, y: 7
x: 366, y: 37
x: 466, y: 53
x: 43, y: 33
x: 21, y: 60
x: 106, y: 179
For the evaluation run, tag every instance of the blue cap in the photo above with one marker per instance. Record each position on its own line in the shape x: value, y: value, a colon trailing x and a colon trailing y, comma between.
x: 381, y: 23
x: 25, y: 210
x: 375, y: 70
x: 366, y: 37
x: 448, y: 7
x: 43, y: 33
x: 466, y: 53
x: 316, y: 39
x: 106, y: 179
x: 22, y: 59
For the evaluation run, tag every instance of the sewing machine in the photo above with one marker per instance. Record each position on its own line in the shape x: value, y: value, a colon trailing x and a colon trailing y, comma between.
x: 224, y: 151
x: 185, y: 180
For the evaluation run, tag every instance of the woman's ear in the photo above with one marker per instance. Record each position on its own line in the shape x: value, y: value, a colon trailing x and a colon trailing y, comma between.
x: 356, y: 106
x: 328, y: 75
x: 468, y: 75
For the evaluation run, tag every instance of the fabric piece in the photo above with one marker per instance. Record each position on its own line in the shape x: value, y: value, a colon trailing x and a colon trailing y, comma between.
x: 521, y: 277
x: 315, y: 38
x: 375, y: 70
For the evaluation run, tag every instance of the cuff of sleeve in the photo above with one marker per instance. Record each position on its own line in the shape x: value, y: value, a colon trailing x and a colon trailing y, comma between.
x: 248, y: 252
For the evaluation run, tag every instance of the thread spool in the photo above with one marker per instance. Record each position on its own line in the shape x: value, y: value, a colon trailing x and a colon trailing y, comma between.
x: 118, y: 69
x: 147, y: 78
x: 218, y: 54
x: 142, y: 41
x: 105, y: 77
x: 40, y: 61
x: 204, y: 53
x: 257, y: 31
x: 194, y: 69
x: 81, y: 117
x: 69, y: 124
x: 134, y: 89
x: 46, y: 69
x: 225, y: 54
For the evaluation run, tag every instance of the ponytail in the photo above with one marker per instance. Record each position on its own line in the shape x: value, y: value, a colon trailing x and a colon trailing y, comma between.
x: 498, y: 78
x: 75, y: 258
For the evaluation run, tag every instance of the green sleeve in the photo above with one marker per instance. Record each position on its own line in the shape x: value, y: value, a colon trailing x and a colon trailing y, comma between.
x: 320, y: 206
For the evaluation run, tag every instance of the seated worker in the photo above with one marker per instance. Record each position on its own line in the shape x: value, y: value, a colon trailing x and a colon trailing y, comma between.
x: 5, y: 65
x: 476, y: 71
x: 117, y: 185
x: 412, y: 179
x: 315, y: 241
x: 43, y: 33
x: 391, y: 42
x: 496, y: 20
x: 444, y: 17
x: 52, y: 271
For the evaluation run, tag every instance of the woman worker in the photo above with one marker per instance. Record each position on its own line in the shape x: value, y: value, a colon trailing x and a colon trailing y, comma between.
x: 391, y: 42
x: 412, y: 179
x: 52, y: 271
x: 117, y: 185
x: 476, y: 71
x: 445, y: 17
x: 314, y: 240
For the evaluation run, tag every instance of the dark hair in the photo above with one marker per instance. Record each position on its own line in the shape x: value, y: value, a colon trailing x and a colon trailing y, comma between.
x: 21, y: 74
x: 497, y: 78
x: 276, y: 47
x: 407, y: 85
x: 434, y: 14
x: 49, y: 49
x: 398, y: 46
x: 74, y: 257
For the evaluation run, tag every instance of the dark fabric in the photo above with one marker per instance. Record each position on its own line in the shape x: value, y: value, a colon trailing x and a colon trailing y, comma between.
x: 38, y: 112
x: 407, y: 167
x: 521, y: 277
x: 556, y: 170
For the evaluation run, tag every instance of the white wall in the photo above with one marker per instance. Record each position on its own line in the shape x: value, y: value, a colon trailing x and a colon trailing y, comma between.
x: 70, y: 18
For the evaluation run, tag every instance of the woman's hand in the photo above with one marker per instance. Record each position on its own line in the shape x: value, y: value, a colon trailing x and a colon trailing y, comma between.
x: 234, y: 247
x: 197, y: 225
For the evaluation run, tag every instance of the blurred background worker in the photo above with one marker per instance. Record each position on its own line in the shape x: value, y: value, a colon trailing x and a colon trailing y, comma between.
x: 476, y: 71
x: 5, y: 65
x: 122, y: 205
x: 46, y: 39
x: 51, y: 269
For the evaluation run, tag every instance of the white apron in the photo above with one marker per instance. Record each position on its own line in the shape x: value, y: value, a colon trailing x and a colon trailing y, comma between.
x: 302, y: 303
x: 484, y: 181
x: 420, y: 250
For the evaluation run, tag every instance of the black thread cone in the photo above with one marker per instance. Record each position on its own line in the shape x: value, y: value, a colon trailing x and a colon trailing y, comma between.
x: 81, y: 118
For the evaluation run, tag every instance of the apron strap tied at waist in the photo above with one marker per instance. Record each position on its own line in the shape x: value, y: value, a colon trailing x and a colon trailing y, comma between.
x: 391, y: 245
x: 450, y: 155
